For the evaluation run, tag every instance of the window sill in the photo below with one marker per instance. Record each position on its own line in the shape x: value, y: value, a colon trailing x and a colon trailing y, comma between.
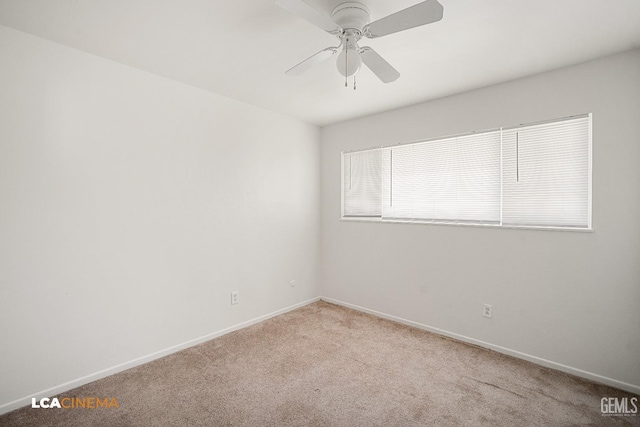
x: 460, y: 224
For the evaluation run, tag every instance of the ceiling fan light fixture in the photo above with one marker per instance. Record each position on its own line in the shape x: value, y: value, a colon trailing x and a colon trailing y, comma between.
x: 349, y: 62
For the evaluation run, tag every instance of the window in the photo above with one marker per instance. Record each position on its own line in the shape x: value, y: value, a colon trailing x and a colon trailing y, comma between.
x: 362, y: 184
x: 452, y: 180
x: 535, y: 175
x: 546, y: 174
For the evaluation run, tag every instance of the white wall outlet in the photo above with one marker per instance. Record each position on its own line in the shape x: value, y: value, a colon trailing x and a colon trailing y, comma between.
x: 293, y: 283
x: 487, y: 311
x: 235, y: 297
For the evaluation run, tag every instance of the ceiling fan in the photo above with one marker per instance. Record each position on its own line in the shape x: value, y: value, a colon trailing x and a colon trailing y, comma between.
x: 349, y: 22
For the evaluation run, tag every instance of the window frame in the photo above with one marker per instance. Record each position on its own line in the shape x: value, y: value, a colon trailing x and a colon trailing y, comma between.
x: 589, y: 228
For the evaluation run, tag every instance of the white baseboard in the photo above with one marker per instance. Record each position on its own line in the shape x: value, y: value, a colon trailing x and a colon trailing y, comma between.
x: 61, y: 388
x: 537, y: 360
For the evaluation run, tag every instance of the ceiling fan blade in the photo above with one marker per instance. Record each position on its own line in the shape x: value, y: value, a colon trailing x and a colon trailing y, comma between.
x: 319, y: 57
x: 308, y: 13
x: 420, y: 14
x: 378, y: 65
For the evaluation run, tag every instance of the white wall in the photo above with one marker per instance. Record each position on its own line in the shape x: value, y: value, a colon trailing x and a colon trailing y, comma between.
x: 131, y: 206
x: 568, y: 297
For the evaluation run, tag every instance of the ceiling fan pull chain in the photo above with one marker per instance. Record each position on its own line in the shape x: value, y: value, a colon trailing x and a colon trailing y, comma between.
x: 354, y: 82
x: 346, y: 63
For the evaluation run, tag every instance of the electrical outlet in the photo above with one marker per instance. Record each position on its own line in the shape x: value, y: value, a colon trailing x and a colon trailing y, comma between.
x: 488, y: 311
x: 293, y: 283
x: 235, y: 297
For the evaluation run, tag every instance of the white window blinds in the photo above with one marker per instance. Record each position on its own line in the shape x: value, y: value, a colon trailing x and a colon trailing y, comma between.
x: 546, y: 171
x: 446, y: 180
x: 362, y: 184
x: 536, y: 175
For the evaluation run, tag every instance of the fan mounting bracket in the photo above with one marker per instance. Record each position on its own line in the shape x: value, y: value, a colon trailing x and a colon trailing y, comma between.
x: 351, y: 16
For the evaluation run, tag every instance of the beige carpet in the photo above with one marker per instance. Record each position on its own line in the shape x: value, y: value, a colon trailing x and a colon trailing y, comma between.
x: 325, y: 365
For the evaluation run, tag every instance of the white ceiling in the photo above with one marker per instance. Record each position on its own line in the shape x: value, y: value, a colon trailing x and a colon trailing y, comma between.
x: 241, y: 49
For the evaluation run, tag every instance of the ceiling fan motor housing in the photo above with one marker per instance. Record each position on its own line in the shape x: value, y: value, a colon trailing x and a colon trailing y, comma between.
x: 351, y: 16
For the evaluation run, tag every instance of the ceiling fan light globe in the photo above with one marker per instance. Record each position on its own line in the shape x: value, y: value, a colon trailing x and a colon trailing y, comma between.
x: 349, y: 62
